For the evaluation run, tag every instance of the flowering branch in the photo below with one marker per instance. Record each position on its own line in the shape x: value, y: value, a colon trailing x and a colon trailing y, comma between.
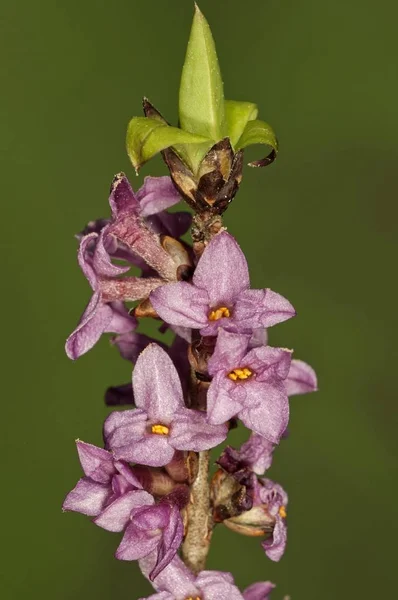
x: 150, y: 482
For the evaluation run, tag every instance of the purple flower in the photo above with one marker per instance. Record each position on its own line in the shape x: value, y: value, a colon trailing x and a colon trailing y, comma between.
x: 125, y: 237
x: 219, y: 295
x: 129, y: 228
x: 100, y: 316
x: 154, y: 527
x: 149, y: 202
x: 112, y: 494
x: 273, y: 498
x: 161, y: 423
x: 249, y: 385
x: 177, y: 582
x: 106, y: 480
x: 255, y: 454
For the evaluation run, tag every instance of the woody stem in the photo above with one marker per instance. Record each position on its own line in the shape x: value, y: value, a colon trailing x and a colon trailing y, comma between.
x: 196, y: 544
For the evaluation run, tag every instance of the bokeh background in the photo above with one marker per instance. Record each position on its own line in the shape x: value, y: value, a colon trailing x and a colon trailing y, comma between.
x: 319, y: 226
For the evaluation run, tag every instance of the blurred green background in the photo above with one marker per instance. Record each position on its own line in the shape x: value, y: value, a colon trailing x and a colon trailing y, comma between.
x: 319, y: 226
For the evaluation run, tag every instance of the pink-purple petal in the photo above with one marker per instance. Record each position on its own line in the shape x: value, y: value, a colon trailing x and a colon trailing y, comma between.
x: 157, y: 194
x: 222, y: 270
x: 261, y: 308
x: 88, y: 497
x: 229, y: 351
x: 275, y: 546
x: 116, y: 516
x: 156, y: 385
x: 258, y: 591
x: 136, y: 544
x: 267, y: 411
x: 152, y: 450
x: 122, y: 428
x: 175, y: 578
x: 216, y: 585
x: 170, y: 542
x: 84, y: 258
x: 102, y: 263
x: 96, y: 318
x: 96, y: 463
x: 122, y: 321
x: 221, y: 405
x: 181, y: 304
x: 191, y: 431
x: 269, y: 363
x: 257, y: 453
x: 301, y: 378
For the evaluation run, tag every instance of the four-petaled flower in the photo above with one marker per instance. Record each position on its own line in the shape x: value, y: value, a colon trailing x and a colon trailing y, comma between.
x: 249, y: 384
x: 219, y: 295
x: 161, y: 423
x: 112, y: 494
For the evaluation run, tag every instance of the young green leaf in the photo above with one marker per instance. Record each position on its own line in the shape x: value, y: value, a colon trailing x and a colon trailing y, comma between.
x: 258, y: 132
x: 201, y: 100
x: 146, y: 137
x: 237, y: 115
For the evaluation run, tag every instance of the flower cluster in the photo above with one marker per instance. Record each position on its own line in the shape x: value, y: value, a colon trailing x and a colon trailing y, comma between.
x: 150, y: 482
x: 184, y: 397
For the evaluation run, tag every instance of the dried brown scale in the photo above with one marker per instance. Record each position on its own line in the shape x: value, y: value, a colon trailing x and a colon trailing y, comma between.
x: 227, y: 496
x: 214, y: 186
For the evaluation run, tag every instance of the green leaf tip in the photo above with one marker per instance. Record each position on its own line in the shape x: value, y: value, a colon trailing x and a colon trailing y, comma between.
x: 201, y: 97
x: 146, y: 137
x: 258, y: 132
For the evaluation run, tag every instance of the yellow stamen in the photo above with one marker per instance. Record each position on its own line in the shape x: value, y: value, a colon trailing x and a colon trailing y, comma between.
x: 193, y: 598
x: 282, y: 512
x: 240, y: 374
x: 219, y: 313
x: 160, y: 429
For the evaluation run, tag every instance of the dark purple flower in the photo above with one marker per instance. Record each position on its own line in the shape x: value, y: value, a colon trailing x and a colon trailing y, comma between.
x: 177, y: 582
x: 249, y: 385
x: 255, y: 454
x: 161, y: 423
x: 106, y: 480
x: 219, y: 295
